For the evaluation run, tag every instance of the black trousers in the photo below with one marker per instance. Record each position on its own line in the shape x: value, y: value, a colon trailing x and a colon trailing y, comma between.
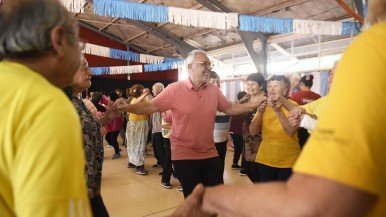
x: 238, y: 143
x: 111, y: 138
x: 192, y: 172
x: 252, y: 170
x: 268, y: 173
x: 222, y: 150
x: 98, y: 208
x: 158, y: 147
x: 167, y: 165
x: 303, y: 136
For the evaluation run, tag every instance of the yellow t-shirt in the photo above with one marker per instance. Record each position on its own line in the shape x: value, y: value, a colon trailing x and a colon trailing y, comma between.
x: 42, y: 158
x: 315, y: 107
x: 349, y: 144
x: 135, y: 117
x: 277, y: 149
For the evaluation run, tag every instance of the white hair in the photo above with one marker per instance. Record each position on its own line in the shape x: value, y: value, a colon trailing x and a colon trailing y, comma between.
x: 191, y: 55
x: 160, y: 85
x: 19, y: 18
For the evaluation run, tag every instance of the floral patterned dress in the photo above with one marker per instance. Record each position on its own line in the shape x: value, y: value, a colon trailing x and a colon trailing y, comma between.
x: 251, y: 143
x: 93, y: 147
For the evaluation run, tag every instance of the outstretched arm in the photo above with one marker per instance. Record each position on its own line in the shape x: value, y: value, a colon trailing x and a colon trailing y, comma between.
x: 236, y: 109
x: 140, y: 108
x: 302, y: 195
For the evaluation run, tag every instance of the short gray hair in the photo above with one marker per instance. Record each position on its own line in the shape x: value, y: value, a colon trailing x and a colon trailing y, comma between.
x: 26, y: 26
x: 191, y: 55
x: 160, y: 85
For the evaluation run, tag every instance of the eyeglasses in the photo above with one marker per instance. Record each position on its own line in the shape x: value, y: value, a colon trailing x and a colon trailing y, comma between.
x: 205, y: 64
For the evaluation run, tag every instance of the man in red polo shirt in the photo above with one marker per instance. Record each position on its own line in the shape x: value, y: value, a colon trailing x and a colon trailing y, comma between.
x: 194, y: 103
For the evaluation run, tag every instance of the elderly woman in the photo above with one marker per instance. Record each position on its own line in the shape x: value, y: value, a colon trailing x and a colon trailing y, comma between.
x: 136, y: 132
x: 92, y: 138
x: 255, y: 84
x: 279, y: 148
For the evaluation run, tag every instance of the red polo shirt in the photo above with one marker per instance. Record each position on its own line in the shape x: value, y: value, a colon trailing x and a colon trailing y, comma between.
x: 193, y: 115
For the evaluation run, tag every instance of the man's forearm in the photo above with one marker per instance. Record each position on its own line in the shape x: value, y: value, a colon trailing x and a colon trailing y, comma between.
x: 236, y: 109
x: 252, y: 200
x: 141, y: 108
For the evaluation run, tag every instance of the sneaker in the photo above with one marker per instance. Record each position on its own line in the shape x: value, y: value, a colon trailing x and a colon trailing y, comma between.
x: 116, y: 156
x: 166, y: 185
x: 242, y: 172
x: 130, y: 165
x: 235, y: 166
x: 179, y: 188
x: 142, y: 172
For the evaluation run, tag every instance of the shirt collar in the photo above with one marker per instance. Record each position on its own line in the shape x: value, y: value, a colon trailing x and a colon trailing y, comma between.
x: 188, y: 82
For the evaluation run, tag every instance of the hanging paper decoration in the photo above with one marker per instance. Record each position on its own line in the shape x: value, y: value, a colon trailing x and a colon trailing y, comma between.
x: 144, y: 58
x: 217, y: 20
x: 199, y: 18
x: 130, y: 10
x: 75, y: 6
x: 163, y: 66
x: 124, y: 55
x: 100, y: 70
x: 265, y: 24
x: 96, y: 50
x: 317, y: 27
x: 349, y: 28
x: 170, y: 59
x: 116, y: 70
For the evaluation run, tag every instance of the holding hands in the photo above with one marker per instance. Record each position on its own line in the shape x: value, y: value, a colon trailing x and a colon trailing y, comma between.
x: 295, y: 116
x: 192, y: 206
x: 261, y: 102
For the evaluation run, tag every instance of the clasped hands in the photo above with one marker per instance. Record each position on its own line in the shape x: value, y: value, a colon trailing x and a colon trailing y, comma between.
x: 273, y: 100
x: 193, y: 205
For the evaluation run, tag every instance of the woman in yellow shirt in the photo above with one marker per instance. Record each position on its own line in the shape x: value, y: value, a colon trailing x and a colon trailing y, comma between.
x: 136, y: 131
x: 279, y: 148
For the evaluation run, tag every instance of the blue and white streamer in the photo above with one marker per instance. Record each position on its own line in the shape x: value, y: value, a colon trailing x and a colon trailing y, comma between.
x: 130, y: 10
x: 144, y: 58
x: 349, y: 28
x: 100, y: 70
x: 265, y: 24
x: 200, y: 18
x: 124, y: 55
x: 116, y: 70
x: 317, y: 27
x: 217, y: 20
x: 163, y: 66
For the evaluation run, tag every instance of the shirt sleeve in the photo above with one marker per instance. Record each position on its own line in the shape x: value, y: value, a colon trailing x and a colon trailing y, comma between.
x: 348, y: 145
x: 223, y: 103
x: 309, y: 107
x: 163, y: 101
x: 48, y: 176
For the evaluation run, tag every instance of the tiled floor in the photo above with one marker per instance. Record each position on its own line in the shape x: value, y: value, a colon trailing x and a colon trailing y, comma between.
x: 127, y: 194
